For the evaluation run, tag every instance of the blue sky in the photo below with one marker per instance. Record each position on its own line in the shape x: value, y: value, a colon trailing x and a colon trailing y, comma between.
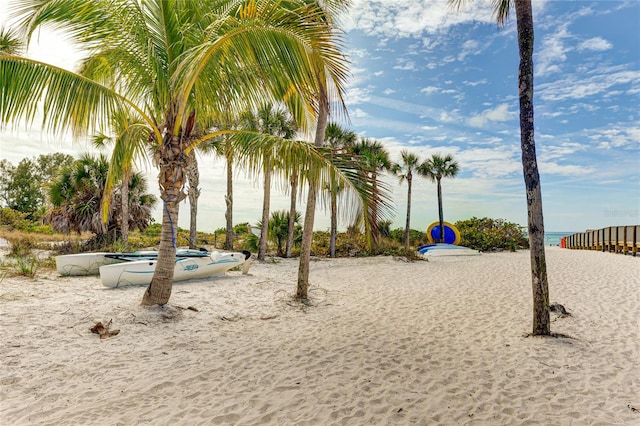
x: 434, y: 80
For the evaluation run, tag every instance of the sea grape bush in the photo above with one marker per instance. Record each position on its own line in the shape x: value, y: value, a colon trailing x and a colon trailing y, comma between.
x: 488, y: 234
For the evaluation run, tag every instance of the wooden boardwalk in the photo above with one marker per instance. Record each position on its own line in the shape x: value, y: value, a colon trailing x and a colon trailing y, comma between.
x: 614, y: 239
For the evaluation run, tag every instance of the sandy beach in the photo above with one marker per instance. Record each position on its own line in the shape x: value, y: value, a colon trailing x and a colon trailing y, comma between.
x: 385, y: 342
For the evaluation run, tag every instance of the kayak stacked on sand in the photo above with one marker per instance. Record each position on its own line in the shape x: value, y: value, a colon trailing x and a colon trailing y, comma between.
x: 140, y: 272
x: 90, y: 263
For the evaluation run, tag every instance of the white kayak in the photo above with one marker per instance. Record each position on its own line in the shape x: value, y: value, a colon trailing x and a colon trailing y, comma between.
x: 90, y: 263
x: 443, y: 249
x: 140, y: 272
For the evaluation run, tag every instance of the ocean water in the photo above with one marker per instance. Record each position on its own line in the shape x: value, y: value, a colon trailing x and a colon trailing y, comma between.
x: 553, y: 238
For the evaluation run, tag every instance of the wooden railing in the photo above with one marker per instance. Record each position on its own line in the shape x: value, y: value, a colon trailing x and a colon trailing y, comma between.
x: 614, y: 239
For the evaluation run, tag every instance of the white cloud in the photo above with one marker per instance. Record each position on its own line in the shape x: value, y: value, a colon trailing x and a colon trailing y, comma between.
x: 429, y: 90
x: 358, y: 113
x: 596, y: 44
x: 499, y: 113
x: 389, y: 92
x: 552, y: 51
x: 405, y: 65
x: 475, y: 83
x: 572, y: 87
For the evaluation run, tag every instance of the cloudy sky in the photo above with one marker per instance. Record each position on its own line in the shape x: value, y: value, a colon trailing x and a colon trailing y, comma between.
x: 434, y: 80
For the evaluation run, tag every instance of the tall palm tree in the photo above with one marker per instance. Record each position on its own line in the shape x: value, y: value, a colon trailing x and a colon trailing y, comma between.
x: 338, y: 140
x: 167, y: 60
x: 409, y: 164
x: 540, y: 283
x: 268, y: 120
x: 436, y: 168
x: 125, y: 128
x: 373, y: 159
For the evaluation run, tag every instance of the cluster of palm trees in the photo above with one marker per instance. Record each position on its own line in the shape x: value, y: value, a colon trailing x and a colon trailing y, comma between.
x: 183, y: 71
x: 180, y: 69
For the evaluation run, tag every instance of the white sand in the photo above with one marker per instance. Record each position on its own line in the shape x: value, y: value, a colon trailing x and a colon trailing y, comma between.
x: 385, y: 343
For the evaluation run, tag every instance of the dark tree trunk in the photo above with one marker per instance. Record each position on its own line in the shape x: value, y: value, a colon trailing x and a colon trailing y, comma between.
x: 292, y: 213
x: 262, y: 249
x: 541, y: 321
x: 440, y: 213
x: 171, y: 181
x: 193, y: 174
x: 124, y: 195
x: 334, y: 222
x: 407, y: 227
x: 302, y: 291
x: 228, y: 199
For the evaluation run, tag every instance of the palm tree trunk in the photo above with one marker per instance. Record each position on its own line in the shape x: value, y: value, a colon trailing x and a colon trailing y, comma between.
x: 124, y: 195
x: 302, y: 292
x: 228, y: 214
x: 440, y: 214
x: 159, y: 290
x: 334, y: 221
x: 193, y: 174
x: 171, y: 181
x: 262, y: 249
x: 292, y: 213
x: 540, y: 285
x: 407, y: 227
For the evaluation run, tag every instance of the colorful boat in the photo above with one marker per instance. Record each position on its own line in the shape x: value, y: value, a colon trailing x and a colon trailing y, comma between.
x: 140, y: 272
x: 90, y: 263
x: 443, y: 249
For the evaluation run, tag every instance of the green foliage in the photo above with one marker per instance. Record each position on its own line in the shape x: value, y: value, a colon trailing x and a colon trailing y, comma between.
x: 23, y: 187
x: 26, y: 265
x: 417, y: 238
x: 488, y: 234
x: 21, y: 247
x: 14, y: 220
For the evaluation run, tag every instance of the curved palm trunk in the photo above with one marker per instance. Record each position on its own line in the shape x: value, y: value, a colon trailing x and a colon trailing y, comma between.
x: 262, y: 249
x: 334, y: 221
x: 228, y: 199
x: 302, y: 291
x: 124, y: 194
x: 171, y: 181
x: 440, y: 214
x: 292, y: 214
x: 540, y: 285
x: 193, y: 175
x: 407, y: 227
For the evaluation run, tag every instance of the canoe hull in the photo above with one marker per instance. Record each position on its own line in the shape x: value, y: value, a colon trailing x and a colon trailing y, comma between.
x: 90, y: 263
x: 140, y: 272
x: 82, y: 263
x: 436, y: 250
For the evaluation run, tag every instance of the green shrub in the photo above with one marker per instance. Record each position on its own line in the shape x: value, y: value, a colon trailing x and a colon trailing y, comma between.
x: 488, y: 234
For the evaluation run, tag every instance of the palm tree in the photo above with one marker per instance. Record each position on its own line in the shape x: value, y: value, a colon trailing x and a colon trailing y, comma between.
x: 339, y: 140
x: 436, y: 168
x: 167, y: 60
x: 125, y: 151
x: 77, y: 193
x: 279, y: 229
x: 540, y: 283
x: 404, y: 170
x: 268, y: 120
x: 373, y: 158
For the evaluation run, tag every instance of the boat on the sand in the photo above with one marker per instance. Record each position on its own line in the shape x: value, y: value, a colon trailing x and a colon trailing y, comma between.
x: 444, y: 249
x: 140, y: 272
x: 90, y: 263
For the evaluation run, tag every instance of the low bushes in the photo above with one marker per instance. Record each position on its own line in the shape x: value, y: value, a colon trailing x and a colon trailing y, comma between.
x: 488, y: 234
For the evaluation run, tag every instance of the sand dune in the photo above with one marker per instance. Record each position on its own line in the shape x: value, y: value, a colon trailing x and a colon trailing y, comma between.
x: 385, y: 342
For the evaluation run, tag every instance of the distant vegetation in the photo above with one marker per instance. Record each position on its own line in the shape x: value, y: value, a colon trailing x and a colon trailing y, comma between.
x: 492, y: 234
